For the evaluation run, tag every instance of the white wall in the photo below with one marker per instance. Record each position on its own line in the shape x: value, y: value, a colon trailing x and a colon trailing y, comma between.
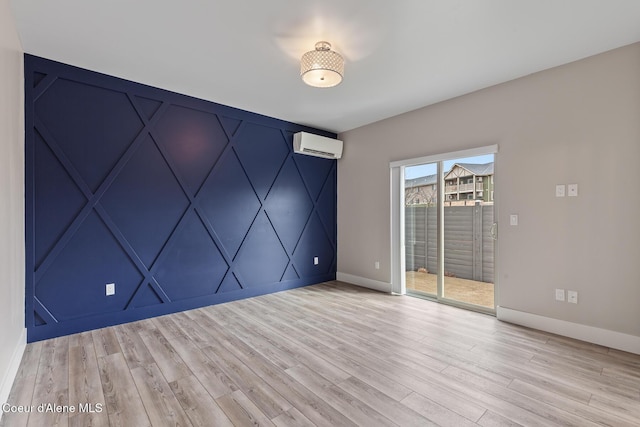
x: 12, y: 330
x: 578, y: 123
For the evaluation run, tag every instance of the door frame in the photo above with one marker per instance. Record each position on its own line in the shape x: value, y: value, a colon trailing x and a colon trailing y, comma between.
x: 398, y: 255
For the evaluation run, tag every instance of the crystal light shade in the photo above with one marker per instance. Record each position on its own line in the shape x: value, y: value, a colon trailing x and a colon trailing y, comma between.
x: 322, y: 67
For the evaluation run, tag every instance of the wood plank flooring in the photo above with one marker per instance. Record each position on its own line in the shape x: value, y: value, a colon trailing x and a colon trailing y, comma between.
x: 325, y: 355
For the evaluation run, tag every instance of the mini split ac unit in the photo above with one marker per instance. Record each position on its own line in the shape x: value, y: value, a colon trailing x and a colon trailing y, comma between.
x: 316, y: 145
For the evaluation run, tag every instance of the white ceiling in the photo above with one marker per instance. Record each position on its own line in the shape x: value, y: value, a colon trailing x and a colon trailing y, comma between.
x: 400, y: 55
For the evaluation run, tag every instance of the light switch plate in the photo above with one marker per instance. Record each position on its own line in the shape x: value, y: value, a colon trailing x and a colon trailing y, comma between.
x: 560, y: 190
x: 513, y: 219
x: 559, y: 294
x: 572, y: 190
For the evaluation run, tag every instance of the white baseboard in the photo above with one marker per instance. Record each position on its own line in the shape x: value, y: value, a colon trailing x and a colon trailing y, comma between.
x: 9, y: 375
x: 364, y: 282
x: 604, y: 337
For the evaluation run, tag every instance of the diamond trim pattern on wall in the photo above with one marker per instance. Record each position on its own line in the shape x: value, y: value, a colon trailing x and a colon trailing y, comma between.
x: 180, y: 202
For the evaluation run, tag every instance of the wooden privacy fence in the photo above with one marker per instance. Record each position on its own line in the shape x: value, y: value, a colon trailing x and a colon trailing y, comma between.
x: 468, y: 245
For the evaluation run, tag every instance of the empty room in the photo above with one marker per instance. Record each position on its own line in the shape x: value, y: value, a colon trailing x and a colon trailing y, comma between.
x: 329, y: 213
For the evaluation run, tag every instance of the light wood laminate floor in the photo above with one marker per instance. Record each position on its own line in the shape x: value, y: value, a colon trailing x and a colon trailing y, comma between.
x: 328, y: 355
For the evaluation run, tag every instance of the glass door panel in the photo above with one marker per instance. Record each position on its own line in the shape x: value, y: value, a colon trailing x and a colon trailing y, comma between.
x: 468, y: 219
x: 421, y: 225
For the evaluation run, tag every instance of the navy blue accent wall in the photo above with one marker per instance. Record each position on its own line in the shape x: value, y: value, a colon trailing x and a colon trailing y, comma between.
x: 180, y: 202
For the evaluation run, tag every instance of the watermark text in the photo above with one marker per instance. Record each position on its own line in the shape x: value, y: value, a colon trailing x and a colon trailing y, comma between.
x: 82, y: 408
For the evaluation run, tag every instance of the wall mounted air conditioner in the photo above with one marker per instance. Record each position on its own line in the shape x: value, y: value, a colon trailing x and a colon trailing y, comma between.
x: 316, y: 145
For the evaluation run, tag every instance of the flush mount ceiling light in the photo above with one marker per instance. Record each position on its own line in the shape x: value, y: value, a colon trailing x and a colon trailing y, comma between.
x: 322, y: 67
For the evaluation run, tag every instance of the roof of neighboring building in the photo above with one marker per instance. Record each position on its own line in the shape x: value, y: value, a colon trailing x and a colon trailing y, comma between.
x: 483, y: 169
x: 420, y: 181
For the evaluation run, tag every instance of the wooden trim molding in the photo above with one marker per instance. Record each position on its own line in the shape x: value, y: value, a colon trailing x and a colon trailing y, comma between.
x: 592, y: 334
x: 376, y: 285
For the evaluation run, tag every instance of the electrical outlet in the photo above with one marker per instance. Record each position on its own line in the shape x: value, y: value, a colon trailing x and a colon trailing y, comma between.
x: 572, y: 297
x: 559, y: 294
x: 315, y: 260
x: 110, y: 289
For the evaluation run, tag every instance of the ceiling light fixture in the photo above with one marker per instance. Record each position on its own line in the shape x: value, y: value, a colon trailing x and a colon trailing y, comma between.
x: 322, y: 67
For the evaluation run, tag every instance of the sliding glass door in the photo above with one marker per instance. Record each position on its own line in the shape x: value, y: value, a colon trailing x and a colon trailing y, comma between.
x: 421, y: 225
x: 468, y: 242
x: 448, y: 229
